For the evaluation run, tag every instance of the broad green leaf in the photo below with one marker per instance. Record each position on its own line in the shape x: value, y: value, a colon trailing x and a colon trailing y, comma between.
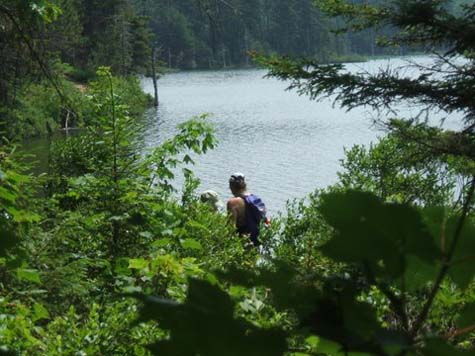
x: 205, y: 325
x: 146, y: 234
x: 20, y: 215
x: 161, y: 242
x: 312, y: 341
x: 132, y: 289
x: 191, y: 244
x: 31, y: 292
x: 376, y: 234
x: 30, y: 275
x: 467, y: 317
x: 7, y: 195
x: 462, y: 267
x: 138, y: 263
x: 330, y: 348
x: 343, y: 320
x: 418, y: 273
x: 40, y: 312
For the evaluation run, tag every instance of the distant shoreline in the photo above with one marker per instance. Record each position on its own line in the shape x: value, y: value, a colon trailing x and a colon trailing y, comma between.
x: 337, y: 60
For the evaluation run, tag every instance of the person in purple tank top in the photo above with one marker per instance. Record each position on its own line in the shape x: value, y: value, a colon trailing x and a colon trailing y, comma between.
x: 246, y: 210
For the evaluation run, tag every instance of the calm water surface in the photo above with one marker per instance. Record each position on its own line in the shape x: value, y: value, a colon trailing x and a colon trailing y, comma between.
x: 285, y: 144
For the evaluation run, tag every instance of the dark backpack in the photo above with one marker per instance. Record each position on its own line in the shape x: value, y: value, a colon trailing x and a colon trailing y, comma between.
x: 255, y: 214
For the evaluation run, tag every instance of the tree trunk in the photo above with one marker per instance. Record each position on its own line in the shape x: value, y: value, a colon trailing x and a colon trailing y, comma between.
x: 154, y: 78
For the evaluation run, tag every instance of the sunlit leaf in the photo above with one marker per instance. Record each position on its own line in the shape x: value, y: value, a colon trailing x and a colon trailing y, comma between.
x: 30, y: 275
x: 138, y: 263
x: 191, y: 244
x: 40, y: 312
x: 161, y: 242
x: 146, y: 234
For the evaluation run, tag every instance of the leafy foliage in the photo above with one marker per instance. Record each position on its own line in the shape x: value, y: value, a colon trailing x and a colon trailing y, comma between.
x: 399, y: 171
x: 205, y: 324
x: 385, y: 271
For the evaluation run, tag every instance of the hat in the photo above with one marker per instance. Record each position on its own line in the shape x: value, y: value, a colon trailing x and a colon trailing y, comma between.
x: 237, y: 177
x: 211, y: 197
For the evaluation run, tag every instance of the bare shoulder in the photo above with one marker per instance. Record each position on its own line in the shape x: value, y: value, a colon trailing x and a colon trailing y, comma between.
x: 234, y: 203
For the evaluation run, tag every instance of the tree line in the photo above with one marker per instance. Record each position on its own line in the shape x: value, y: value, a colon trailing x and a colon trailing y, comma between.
x: 77, y: 37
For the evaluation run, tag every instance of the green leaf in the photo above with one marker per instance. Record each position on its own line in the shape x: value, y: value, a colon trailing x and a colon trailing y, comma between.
x: 132, y: 289
x: 467, y: 316
x: 312, y: 341
x: 418, y: 274
x: 205, y: 325
x: 7, y: 195
x: 334, y: 349
x: 146, y: 234
x: 20, y: 215
x: 329, y: 347
x: 162, y: 242
x: 462, y: 267
x: 40, y: 312
x: 30, y: 275
x: 375, y: 234
x: 138, y: 263
x: 191, y: 244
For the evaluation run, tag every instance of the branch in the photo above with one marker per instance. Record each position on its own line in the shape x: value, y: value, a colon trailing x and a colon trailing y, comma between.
x: 37, y: 57
x: 446, y: 263
x: 458, y: 332
x: 379, y: 91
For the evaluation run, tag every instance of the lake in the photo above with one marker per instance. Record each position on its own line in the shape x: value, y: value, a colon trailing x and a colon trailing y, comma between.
x: 285, y: 144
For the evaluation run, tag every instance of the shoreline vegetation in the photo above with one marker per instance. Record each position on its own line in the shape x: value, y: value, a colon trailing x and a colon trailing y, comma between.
x: 115, y: 259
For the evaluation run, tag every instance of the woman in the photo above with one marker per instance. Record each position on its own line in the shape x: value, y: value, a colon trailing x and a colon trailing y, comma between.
x: 247, y: 210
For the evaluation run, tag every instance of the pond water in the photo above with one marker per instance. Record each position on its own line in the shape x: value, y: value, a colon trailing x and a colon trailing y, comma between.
x: 285, y: 144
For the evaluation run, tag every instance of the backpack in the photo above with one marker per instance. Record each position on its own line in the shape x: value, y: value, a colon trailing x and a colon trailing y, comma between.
x: 255, y: 214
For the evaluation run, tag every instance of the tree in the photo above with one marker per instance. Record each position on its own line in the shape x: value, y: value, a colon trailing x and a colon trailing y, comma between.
x: 447, y: 84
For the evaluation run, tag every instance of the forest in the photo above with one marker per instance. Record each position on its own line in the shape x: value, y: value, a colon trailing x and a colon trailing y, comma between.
x: 104, y: 254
